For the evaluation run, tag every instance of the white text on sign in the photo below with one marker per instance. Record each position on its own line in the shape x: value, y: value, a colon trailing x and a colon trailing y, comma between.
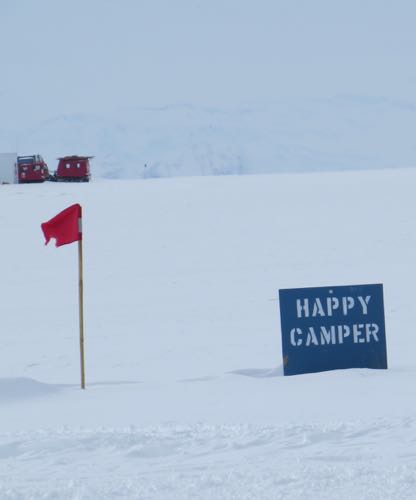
x: 332, y: 305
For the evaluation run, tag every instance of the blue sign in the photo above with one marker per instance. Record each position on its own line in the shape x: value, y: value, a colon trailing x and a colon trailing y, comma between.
x: 332, y: 328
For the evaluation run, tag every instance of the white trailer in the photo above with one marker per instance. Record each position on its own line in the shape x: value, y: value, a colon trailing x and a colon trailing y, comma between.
x: 8, y: 168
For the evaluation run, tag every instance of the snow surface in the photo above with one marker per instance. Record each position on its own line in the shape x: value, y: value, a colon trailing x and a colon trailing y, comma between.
x: 185, y: 396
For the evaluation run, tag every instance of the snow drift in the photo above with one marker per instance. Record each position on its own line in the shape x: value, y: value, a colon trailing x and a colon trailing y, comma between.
x: 185, y: 395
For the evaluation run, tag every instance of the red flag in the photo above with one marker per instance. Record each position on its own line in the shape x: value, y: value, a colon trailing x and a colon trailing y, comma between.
x: 65, y: 227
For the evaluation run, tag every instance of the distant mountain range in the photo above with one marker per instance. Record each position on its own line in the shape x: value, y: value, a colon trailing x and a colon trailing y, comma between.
x: 346, y: 132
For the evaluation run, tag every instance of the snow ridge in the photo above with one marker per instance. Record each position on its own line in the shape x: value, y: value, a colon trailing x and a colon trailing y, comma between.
x: 212, y: 461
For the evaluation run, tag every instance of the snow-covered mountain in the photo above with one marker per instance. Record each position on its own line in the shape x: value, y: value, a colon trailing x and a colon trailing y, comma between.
x: 347, y: 132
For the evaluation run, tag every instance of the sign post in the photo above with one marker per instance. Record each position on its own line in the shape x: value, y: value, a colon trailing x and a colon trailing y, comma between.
x: 330, y: 328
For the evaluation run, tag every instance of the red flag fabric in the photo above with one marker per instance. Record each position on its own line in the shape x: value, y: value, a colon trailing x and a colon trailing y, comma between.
x: 65, y: 227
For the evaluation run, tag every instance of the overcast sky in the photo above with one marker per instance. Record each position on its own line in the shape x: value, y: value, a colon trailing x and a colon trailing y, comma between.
x: 92, y: 55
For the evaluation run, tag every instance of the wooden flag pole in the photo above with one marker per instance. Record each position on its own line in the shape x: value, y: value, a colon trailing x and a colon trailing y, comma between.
x: 66, y: 227
x: 81, y: 313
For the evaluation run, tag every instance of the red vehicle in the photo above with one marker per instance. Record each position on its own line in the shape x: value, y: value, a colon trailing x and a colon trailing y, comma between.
x: 72, y: 169
x: 31, y: 169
